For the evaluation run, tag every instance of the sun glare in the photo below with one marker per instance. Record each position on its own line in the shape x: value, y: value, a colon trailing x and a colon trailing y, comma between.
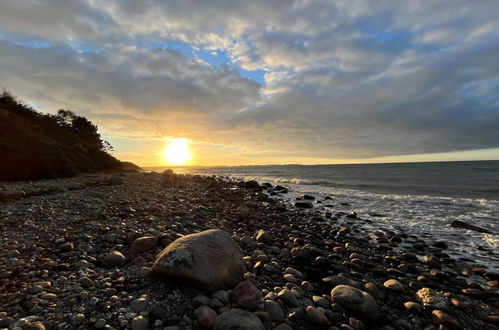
x: 177, y: 152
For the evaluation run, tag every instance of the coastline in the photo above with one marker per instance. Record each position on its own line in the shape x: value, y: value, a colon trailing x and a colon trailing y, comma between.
x: 62, y: 230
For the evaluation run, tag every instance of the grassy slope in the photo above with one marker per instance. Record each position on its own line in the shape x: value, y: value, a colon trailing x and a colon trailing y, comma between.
x: 31, y: 151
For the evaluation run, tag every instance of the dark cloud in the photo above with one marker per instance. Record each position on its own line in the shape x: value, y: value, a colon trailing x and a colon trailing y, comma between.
x: 347, y: 79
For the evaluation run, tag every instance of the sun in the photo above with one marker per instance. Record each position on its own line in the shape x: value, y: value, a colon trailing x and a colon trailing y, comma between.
x: 177, y: 152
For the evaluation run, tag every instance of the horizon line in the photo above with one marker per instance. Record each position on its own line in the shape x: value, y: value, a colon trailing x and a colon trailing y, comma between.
x: 329, y: 164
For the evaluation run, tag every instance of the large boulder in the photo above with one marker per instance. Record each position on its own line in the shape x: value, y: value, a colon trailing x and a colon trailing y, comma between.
x: 238, y: 319
x: 209, y: 260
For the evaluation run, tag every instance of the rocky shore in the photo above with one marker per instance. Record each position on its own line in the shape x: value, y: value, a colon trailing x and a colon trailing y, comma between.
x: 137, y: 251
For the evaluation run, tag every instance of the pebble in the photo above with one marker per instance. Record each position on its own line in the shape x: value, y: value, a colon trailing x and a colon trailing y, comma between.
x: 140, y: 323
x: 414, y: 308
x: 316, y: 316
x: 439, y: 317
x: 100, y: 323
x: 114, y: 259
x: 205, y: 316
x: 321, y: 301
x: 274, y: 310
x: 394, y: 285
x: 288, y: 297
x: 246, y: 295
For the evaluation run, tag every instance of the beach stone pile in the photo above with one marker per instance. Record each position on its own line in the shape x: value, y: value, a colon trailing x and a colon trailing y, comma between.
x: 167, y: 251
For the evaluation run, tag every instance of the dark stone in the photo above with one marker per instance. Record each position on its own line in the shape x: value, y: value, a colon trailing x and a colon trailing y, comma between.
x: 464, y: 225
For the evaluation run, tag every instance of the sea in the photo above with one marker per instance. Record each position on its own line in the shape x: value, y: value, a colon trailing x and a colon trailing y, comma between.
x: 422, y: 199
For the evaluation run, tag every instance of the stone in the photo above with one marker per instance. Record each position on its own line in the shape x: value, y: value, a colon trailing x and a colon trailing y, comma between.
x: 100, y: 323
x: 374, y: 291
x: 34, y: 326
x: 11, y: 195
x: 252, y: 184
x: 264, y: 237
x: 493, y: 319
x: 394, y: 285
x: 304, y: 204
x: 296, y: 273
x: 439, y: 317
x: 414, y: 308
x: 441, y: 245
x: 210, y: 260
x: 114, y: 259
x: 205, y: 316
x: 321, y: 301
x: 288, y: 297
x: 77, y: 319
x: 143, y: 244
x: 116, y: 180
x: 283, y: 326
x: 140, y: 323
x: 86, y: 282
x: 355, y: 299
x: 432, y: 299
x: 246, y: 295
x: 316, y: 316
x: 139, y: 304
x: 463, y: 225
x: 238, y: 319
x: 274, y: 310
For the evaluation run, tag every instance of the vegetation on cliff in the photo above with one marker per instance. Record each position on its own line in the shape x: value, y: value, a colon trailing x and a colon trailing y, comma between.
x: 34, y: 145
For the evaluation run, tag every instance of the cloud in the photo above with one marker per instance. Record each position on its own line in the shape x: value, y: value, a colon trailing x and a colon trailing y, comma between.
x: 343, y: 79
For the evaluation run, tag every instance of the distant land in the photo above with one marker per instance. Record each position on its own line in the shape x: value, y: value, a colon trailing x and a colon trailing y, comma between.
x: 34, y: 145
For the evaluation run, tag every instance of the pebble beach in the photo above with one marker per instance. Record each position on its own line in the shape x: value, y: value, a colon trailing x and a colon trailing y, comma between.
x: 91, y: 252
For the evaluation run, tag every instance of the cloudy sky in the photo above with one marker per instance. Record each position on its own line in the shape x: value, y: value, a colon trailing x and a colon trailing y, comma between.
x: 258, y: 82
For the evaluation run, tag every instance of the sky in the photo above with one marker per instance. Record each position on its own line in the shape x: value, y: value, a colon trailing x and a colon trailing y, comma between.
x: 264, y: 82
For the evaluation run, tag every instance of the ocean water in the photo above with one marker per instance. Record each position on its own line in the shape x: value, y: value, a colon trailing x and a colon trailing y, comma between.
x: 420, y: 198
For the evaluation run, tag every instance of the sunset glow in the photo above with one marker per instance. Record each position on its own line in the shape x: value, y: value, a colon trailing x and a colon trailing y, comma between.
x: 177, y: 152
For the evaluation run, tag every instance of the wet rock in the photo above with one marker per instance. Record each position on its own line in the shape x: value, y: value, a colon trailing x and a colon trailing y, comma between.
x: 246, y: 295
x: 316, y: 316
x: 252, y: 184
x: 439, y: 317
x: 463, y: 225
x: 238, y: 319
x: 210, y: 260
x: 355, y: 299
x: 432, y: 299
x: 304, y: 204
x: 143, y: 244
x: 114, y: 259
x: 205, y: 316
x: 441, y: 245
